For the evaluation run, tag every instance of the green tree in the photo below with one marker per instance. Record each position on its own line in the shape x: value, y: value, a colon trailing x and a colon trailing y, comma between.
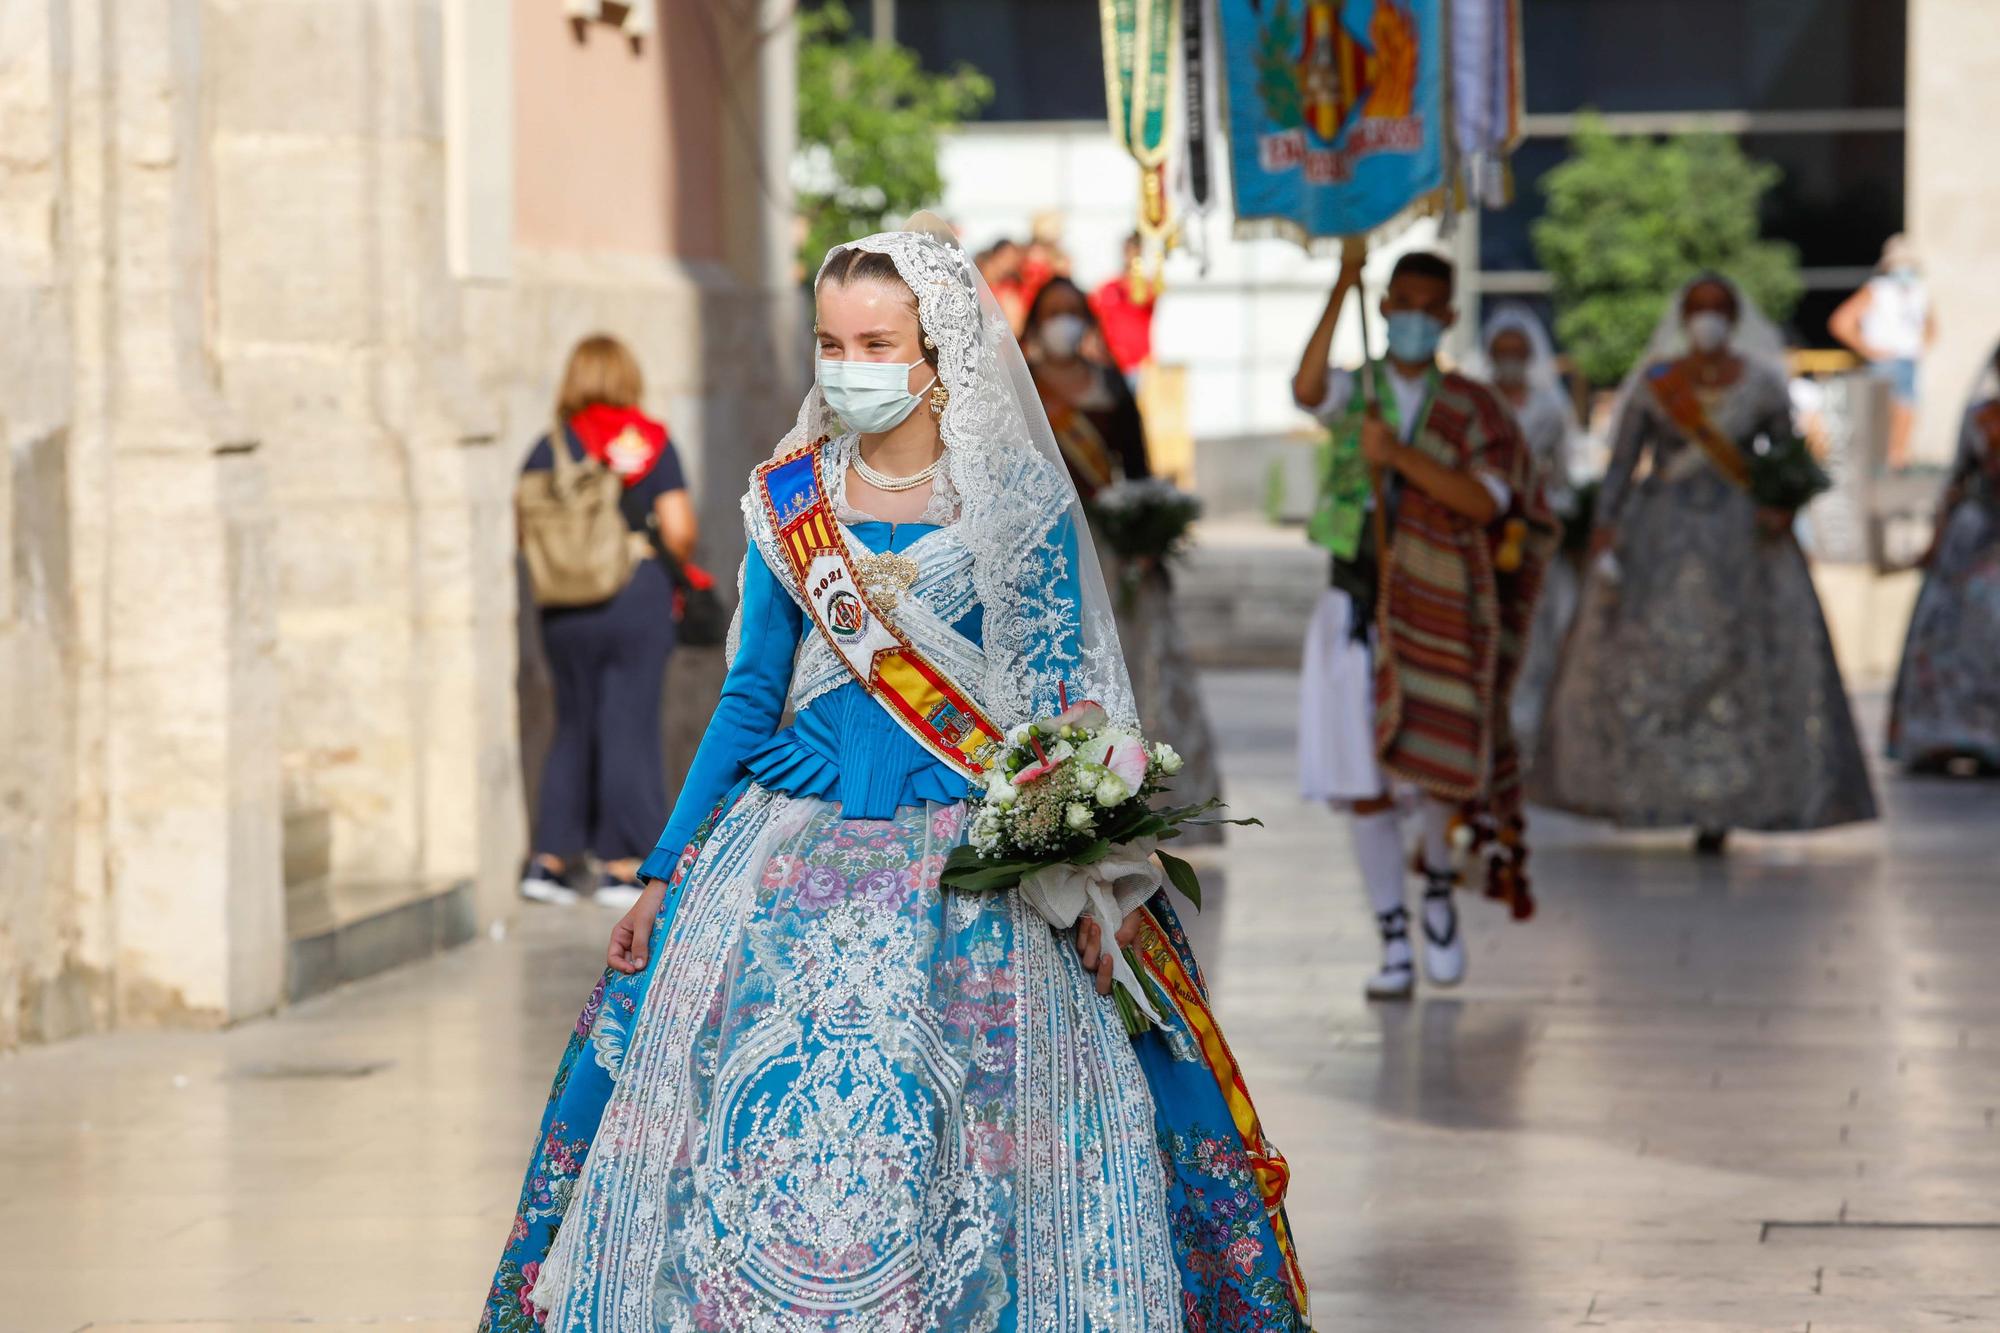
x: 869, y: 117
x: 1631, y: 219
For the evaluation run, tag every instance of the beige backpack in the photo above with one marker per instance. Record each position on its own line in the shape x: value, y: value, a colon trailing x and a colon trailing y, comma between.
x: 579, y: 547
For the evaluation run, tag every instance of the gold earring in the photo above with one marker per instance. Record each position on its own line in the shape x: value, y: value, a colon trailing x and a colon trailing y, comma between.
x: 939, y: 397
x: 929, y: 346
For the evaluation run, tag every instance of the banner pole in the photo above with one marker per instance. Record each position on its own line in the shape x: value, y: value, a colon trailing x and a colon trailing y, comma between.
x: 1356, y: 248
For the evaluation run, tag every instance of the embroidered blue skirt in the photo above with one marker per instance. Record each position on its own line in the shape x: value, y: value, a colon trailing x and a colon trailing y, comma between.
x: 841, y: 1097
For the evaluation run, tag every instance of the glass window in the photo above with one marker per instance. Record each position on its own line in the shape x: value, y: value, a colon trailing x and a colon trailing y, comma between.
x: 1044, y: 56
x: 1709, y: 55
x: 1840, y: 196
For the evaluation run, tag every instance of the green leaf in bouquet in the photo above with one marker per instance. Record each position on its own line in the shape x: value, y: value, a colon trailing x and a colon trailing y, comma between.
x: 976, y: 874
x: 965, y: 857
x: 1181, y: 875
x: 1132, y: 820
x: 1129, y: 1012
x: 1098, y: 849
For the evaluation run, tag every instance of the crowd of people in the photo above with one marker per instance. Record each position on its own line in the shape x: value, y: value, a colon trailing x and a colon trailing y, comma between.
x: 795, y: 989
x: 1676, y: 669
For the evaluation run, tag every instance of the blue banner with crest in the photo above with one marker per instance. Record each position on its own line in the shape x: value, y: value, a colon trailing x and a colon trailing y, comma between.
x: 1336, y: 110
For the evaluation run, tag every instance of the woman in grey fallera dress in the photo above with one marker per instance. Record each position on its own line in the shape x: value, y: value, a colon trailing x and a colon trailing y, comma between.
x: 1698, y: 685
x: 1946, y: 704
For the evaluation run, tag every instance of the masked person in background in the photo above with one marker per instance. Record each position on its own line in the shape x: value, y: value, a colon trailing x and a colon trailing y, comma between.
x: 1698, y: 685
x: 1517, y: 358
x: 1103, y: 440
x: 1090, y: 407
x: 1888, y: 323
x: 1947, y: 700
x: 1414, y: 647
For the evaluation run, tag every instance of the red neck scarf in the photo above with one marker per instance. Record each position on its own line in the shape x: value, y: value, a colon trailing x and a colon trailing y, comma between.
x: 624, y: 439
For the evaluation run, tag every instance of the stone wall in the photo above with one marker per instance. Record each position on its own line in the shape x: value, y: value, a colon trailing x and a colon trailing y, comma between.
x: 1954, y: 198
x: 43, y: 978
x: 256, y: 508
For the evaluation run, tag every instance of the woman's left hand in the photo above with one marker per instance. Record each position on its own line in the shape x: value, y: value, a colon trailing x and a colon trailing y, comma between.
x: 1774, y: 522
x: 1090, y: 946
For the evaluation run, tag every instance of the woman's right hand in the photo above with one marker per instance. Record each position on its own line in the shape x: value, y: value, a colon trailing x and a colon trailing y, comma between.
x: 631, y: 937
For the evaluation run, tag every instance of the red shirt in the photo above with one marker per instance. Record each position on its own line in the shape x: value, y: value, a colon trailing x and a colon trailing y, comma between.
x: 1127, y: 324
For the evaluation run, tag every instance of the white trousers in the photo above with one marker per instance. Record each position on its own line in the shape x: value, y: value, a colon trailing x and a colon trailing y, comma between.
x: 1337, y: 708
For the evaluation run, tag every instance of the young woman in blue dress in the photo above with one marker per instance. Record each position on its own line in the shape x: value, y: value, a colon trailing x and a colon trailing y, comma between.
x: 815, y: 1090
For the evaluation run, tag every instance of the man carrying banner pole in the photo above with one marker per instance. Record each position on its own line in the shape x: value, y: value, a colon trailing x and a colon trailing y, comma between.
x: 1432, y: 513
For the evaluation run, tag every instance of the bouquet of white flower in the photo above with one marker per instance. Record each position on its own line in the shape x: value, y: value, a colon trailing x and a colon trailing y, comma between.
x: 1067, y: 818
x: 1146, y: 522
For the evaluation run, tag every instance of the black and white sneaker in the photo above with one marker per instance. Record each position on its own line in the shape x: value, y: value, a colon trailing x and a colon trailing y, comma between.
x: 1397, y: 977
x: 539, y: 884
x: 1444, y: 946
x: 615, y: 892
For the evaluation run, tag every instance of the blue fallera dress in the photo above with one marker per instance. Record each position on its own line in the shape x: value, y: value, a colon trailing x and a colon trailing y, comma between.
x: 841, y: 1097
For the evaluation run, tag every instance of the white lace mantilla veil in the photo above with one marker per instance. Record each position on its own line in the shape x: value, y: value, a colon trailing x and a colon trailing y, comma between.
x: 1014, y: 494
x: 1755, y: 338
x: 1543, y: 375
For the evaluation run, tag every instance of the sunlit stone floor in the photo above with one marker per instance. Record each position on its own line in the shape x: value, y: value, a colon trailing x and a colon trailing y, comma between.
x: 1758, y: 1093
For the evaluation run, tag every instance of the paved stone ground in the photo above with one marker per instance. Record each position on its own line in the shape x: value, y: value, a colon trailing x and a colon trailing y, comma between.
x: 1757, y: 1093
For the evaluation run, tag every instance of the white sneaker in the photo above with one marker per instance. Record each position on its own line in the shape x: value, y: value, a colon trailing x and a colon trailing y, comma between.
x: 1396, y: 979
x: 1444, y: 943
x: 540, y: 886
x: 618, y: 894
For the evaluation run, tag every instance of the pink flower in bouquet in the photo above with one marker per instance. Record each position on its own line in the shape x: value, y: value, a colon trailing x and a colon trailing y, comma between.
x: 1083, y: 715
x: 1041, y: 768
x: 1126, y: 756
x: 1047, y: 760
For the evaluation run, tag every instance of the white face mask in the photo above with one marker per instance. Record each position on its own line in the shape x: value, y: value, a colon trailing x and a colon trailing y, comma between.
x: 1708, y: 330
x: 1061, y: 335
x: 870, y: 396
x: 1510, y: 370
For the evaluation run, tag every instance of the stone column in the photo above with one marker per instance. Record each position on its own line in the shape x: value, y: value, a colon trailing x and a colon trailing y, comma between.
x: 342, y: 336
x: 1954, y: 198
x: 46, y: 988
x: 177, y: 810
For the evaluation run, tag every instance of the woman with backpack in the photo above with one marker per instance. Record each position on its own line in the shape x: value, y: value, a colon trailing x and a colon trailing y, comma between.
x: 599, y: 527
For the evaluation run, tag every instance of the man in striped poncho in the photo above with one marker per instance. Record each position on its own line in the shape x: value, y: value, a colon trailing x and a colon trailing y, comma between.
x: 1415, y: 644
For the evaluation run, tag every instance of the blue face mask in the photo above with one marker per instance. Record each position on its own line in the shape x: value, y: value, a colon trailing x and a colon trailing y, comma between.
x: 1414, y: 335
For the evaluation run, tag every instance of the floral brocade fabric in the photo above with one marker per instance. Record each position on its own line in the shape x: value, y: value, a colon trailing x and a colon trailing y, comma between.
x: 1947, y: 699
x: 1698, y: 685
x: 841, y: 1098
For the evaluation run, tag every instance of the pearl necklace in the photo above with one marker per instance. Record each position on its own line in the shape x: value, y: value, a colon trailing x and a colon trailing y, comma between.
x: 882, y: 481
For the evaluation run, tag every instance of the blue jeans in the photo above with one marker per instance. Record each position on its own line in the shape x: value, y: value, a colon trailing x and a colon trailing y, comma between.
x: 1901, y: 373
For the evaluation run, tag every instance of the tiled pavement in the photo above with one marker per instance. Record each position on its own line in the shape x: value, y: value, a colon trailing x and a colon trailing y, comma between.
x: 1755, y: 1093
